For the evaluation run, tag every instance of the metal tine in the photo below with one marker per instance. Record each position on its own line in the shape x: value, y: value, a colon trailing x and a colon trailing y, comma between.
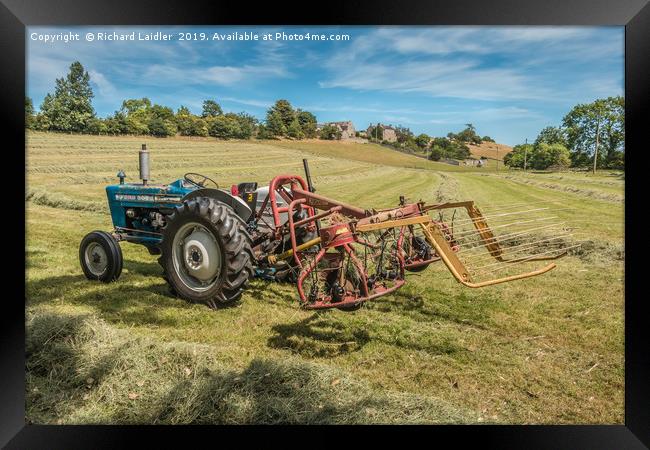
x: 490, y: 210
x: 474, y: 257
x: 472, y: 238
x: 509, y: 236
x: 474, y: 230
x: 499, y: 216
x: 530, y: 243
x: 469, y: 220
x: 508, y: 251
x: 516, y: 205
x: 501, y: 265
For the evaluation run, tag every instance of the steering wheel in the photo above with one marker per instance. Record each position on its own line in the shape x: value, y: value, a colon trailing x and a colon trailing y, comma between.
x: 192, y: 178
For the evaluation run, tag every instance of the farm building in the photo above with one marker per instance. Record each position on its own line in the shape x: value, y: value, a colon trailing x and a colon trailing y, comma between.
x: 475, y: 162
x: 346, y: 128
x: 388, y: 133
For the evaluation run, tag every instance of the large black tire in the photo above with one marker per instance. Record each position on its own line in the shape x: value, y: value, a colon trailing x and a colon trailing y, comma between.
x: 100, y: 257
x: 233, y: 242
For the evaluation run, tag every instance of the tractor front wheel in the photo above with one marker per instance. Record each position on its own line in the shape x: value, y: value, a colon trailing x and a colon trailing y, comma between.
x: 100, y: 256
x: 207, y: 254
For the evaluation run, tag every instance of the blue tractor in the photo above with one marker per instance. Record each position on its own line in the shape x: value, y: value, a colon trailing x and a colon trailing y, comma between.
x: 200, y: 231
x: 211, y: 241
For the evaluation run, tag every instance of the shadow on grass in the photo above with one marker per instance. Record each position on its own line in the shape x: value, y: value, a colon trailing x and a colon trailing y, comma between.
x: 130, y: 300
x: 329, y: 334
x: 319, y: 335
x: 461, y: 309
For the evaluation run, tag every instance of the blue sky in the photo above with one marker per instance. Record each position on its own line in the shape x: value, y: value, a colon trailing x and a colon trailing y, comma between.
x: 509, y: 82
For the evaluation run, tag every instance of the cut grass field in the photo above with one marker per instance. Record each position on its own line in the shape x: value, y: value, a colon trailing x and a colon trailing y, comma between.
x: 543, y: 350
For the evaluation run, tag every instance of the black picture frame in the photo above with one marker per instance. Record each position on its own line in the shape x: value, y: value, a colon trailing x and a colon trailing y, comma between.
x: 15, y: 15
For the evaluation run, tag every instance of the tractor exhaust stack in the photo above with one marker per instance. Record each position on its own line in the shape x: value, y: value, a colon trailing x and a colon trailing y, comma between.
x: 144, y: 165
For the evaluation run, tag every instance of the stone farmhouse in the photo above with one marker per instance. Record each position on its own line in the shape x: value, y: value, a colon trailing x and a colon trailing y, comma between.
x: 388, y: 133
x: 346, y: 128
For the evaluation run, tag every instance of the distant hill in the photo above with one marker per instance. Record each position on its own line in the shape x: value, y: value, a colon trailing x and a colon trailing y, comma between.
x: 489, y: 150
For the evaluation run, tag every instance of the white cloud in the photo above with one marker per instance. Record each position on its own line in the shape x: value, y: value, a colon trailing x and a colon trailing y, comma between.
x: 104, y: 86
x: 439, y: 79
x: 249, y: 102
x: 161, y: 74
x: 480, y: 63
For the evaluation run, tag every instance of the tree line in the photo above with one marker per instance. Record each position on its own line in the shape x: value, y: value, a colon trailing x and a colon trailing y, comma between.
x: 69, y: 109
x: 590, y: 135
x: 452, y: 146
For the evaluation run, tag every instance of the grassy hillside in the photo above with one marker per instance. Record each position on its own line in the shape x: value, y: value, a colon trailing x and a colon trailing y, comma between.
x: 489, y: 150
x: 543, y: 350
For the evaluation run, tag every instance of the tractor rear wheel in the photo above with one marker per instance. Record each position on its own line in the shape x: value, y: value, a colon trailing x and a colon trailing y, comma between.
x: 207, y: 254
x: 100, y: 257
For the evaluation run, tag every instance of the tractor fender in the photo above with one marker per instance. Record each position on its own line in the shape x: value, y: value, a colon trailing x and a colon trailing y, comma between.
x: 237, y: 204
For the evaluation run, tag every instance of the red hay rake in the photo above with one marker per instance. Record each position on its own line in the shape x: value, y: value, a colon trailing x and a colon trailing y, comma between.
x: 354, y: 255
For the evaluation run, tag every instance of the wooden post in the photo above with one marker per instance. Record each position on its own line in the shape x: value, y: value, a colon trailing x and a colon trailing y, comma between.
x: 497, y: 158
x: 596, y: 149
x: 525, y: 154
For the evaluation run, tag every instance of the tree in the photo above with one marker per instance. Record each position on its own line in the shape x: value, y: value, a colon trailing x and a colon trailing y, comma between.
x: 199, y: 127
x: 449, y: 148
x: 42, y: 122
x: 70, y: 108
x: 29, y: 113
x: 274, y: 124
x: 403, y: 134
x: 422, y: 140
x: 189, y: 124
x: 161, y: 127
x: 137, y: 117
x: 96, y: 126
x: 135, y: 105
x: 184, y: 121
x: 162, y: 122
x: 518, y: 155
x: 284, y: 110
x: 161, y: 112
x: 487, y: 139
x: 601, y: 121
x: 546, y: 155
x: 247, y: 125
x: 330, y: 132
x: 307, y: 123
x: 225, y: 126
x: 211, y: 109
x: 376, y: 132
x: 467, y: 135
x: 263, y: 132
x: 435, y: 154
x: 294, y: 130
x: 116, y: 124
x: 551, y: 135
x: 538, y: 157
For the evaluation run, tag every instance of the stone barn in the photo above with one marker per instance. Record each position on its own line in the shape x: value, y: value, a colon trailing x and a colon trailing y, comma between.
x: 346, y: 128
x: 388, y: 133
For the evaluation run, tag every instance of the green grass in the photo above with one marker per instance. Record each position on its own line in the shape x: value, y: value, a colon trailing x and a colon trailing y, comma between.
x: 543, y: 350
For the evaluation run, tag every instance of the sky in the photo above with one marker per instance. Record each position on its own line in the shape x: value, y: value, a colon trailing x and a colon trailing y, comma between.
x: 509, y: 82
